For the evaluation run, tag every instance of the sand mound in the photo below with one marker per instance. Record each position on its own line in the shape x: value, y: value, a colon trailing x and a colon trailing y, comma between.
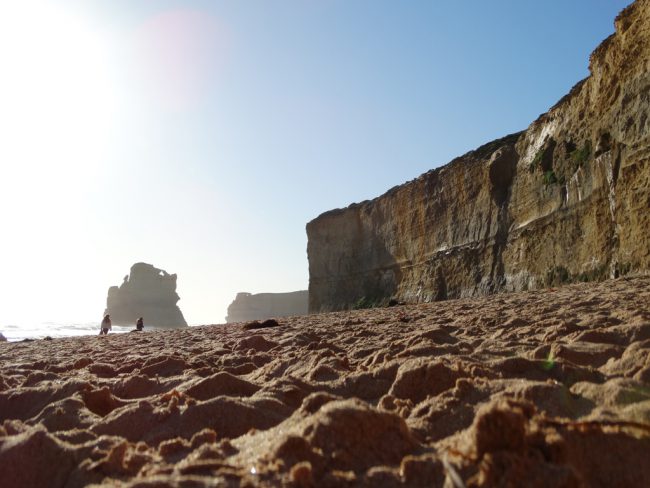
x: 548, y: 388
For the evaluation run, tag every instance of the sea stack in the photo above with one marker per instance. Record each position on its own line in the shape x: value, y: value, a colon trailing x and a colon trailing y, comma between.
x: 259, y: 306
x: 146, y: 292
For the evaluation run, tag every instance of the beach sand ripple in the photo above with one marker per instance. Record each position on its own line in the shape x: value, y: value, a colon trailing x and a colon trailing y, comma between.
x: 547, y: 388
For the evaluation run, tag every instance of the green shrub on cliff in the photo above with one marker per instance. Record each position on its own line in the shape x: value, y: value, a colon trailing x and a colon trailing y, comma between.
x: 623, y: 268
x: 537, y: 161
x: 580, y: 156
x: 365, y: 302
x: 598, y: 273
x: 550, y: 178
x: 558, y: 275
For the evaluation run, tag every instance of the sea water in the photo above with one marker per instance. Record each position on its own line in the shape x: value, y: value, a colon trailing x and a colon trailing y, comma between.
x: 40, y: 330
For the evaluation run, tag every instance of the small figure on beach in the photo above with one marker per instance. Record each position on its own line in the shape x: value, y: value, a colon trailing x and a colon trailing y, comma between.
x: 106, y: 325
x: 139, y: 325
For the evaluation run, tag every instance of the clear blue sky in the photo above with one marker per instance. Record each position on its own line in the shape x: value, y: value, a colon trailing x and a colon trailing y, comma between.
x: 201, y: 136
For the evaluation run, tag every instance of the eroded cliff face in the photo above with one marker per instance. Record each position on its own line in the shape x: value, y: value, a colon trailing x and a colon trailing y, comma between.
x: 566, y: 200
x: 259, y: 306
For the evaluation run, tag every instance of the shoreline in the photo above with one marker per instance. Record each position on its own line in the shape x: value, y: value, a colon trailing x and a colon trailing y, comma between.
x: 62, y: 330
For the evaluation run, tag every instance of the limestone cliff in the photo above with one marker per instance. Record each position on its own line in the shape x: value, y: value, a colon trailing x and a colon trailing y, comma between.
x: 567, y: 199
x: 247, y: 306
x: 146, y: 292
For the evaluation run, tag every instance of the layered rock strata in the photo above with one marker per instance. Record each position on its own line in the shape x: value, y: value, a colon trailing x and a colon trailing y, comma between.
x: 567, y: 199
x: 146, y: 292
x: 259, y: 306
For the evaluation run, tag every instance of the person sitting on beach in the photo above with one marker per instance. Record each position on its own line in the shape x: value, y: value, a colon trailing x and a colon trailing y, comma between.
x: 139, y: 325
x: 106, y: 325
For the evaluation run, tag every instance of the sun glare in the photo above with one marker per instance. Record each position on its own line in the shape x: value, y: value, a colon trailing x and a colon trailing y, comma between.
x: 177, y: 56
x: 56, y: 93
x: 57, y: 105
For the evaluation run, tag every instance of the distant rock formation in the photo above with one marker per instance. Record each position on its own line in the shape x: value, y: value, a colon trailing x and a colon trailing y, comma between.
x: 146, y: 292
x: 247, y: 306
x: 565, y: 200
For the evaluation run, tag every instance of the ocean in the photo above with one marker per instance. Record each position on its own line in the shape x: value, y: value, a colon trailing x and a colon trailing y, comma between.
x: 56, y: 329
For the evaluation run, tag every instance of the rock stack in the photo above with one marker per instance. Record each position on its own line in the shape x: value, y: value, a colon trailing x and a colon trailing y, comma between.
x: 146, y: 292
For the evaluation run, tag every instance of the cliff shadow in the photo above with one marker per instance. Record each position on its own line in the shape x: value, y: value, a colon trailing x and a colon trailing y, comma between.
x: 502, y: 169
x: 350, y: 263
x: 380, y: 283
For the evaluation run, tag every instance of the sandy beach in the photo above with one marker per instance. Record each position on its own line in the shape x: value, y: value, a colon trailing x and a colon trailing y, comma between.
x: 544, y: 388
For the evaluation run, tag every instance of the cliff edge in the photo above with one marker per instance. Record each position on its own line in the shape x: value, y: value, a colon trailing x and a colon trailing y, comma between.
x: 259, y: 306
x: 566, y: 200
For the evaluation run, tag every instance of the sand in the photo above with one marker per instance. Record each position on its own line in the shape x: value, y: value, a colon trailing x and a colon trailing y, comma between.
x: 546, y: 388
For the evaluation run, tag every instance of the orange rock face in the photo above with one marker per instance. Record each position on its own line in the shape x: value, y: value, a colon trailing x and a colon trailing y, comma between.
x: 543, y: 388
x: 565, y: 200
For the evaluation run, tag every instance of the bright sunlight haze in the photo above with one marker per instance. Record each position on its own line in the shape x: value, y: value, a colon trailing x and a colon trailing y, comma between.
x: 202, y: 136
